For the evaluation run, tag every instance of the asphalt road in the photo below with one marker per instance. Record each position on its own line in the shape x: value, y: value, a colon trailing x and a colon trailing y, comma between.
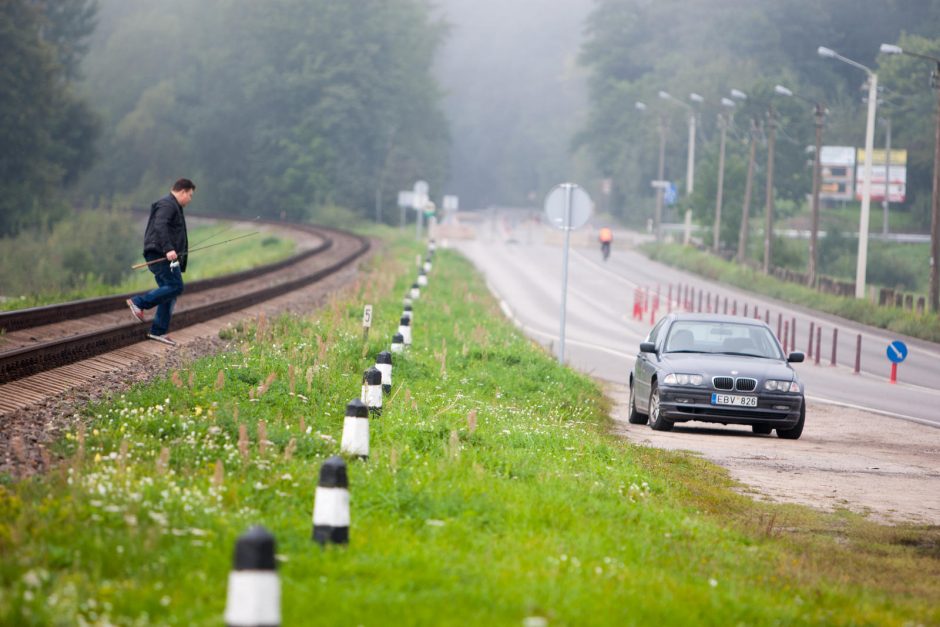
x: 523, y: 266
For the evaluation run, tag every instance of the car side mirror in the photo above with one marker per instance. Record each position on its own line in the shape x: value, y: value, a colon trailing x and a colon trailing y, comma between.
x: 795, y: 358
x: 647, y: 347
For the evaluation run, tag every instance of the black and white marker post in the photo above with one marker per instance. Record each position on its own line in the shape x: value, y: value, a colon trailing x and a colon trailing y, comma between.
x: 372, y: 390
x: 383, y: 361
x: 408, y: 313
x: 415, y: 292
x: 427, y: 265
x: 331, y: 504
x: 404, y: 327
x: 356, y: 430
x: 398, y: 343
x: 422, y: 279
x: 254, y: 590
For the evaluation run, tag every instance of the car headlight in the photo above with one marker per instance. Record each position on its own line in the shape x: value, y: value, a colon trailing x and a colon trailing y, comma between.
x: 774, y: 385
x: 683, y: 379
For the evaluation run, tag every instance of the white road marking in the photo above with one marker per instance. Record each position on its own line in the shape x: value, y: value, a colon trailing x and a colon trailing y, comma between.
x: 872, y: 410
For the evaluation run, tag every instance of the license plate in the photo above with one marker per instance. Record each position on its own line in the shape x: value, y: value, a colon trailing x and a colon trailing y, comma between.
x: 731, y: 399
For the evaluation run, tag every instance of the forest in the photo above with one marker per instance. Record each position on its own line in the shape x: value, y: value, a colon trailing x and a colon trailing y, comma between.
x: 634, y: 48
x: 275, y: 107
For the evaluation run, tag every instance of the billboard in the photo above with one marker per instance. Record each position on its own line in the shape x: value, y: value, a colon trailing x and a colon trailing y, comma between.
x: 837, y: 176
x: 895, y: 181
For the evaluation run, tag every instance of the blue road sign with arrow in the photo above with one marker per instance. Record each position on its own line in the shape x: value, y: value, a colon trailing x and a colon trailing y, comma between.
x: 897, y: 351
x: 670, y: 194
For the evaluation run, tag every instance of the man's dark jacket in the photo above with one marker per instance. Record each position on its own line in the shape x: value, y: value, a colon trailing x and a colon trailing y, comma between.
x: 166, y: 231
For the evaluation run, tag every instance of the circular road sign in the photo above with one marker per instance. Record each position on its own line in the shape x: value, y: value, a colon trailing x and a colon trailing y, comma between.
x: 557, y: 200
x: 897, y: 351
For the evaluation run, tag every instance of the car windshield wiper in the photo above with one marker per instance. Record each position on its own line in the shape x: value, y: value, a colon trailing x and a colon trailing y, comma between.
x: 687, y: 350
x: 739, y: 354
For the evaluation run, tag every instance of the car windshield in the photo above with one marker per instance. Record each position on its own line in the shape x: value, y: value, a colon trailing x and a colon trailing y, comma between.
x: 723, y: 338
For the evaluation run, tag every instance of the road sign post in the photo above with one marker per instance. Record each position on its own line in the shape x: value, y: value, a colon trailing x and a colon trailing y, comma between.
x: 897, y: 352
x: 568, y: 207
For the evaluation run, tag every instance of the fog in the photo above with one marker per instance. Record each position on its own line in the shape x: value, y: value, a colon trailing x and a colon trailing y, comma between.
x: 514, y: 97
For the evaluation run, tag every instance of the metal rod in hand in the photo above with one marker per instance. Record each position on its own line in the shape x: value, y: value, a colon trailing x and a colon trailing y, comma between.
x: 138, y: 266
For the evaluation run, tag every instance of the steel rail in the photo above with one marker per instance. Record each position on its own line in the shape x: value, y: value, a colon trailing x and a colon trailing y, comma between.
x: 49, y: 314
x: 47, y: 355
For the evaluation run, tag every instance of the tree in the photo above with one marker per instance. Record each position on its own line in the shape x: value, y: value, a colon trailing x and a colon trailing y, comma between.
x: 274, y: 107
x: 47, y: 131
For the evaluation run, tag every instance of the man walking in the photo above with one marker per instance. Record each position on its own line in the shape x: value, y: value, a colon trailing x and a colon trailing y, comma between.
x: 165, y: 240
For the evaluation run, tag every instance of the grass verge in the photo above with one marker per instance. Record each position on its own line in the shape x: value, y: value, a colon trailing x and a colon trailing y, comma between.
x: 494, y: 492
x: 926, y: 327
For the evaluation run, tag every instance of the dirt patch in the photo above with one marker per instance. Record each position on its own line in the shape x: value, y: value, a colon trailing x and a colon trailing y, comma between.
x: 884, y: 467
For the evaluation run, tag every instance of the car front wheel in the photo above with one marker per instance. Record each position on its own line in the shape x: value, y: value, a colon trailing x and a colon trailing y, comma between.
x: 657, y: 422
x: 796, y: 431
x: 635, y: 417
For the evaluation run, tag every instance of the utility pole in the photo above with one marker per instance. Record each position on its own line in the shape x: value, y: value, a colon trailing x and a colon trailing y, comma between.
x: 769, y: 209
x: 746, y: 211
x: 723, y: 125
x: 935, y: 205
x: 657, y: 227
x: 817, y: 175
x: 887, y: 199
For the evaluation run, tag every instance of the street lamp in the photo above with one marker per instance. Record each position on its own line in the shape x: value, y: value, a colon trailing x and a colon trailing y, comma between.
x: 934, y: 296
x: 862, y: 262
x: 690, y: 162
x: 820, y: 116
x: 658, y: 214
x: 723, y: 125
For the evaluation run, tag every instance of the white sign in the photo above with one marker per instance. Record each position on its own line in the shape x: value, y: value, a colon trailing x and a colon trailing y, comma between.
x: 837, y: 155
x: 406, y: 199
x: 576, y: 215
x: 420, y: 198
x: 367, y: 316
x: 451, y: 203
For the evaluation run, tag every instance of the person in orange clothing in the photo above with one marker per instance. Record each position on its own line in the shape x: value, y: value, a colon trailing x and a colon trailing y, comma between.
x: 606, y: 236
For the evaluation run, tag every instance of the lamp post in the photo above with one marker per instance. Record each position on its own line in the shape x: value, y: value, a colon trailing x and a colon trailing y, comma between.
x: 862, y: 263
x: 660, y: 172
x: 819, y: 113
x: 934, y: 295
x: 690, y: 161
x: 723, y: 125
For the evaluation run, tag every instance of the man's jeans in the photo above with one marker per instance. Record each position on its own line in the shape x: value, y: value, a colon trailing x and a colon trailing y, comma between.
x: 170, y: 282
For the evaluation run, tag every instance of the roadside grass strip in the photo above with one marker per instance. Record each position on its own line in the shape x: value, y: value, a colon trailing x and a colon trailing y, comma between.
x: 493, y: 493
x: 925, y: 326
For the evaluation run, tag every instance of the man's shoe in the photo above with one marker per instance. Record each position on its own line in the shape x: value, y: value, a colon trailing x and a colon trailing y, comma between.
x: 166, y: 339
x: 136, y: 311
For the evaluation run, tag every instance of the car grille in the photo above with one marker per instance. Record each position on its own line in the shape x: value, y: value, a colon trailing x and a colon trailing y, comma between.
x: 741, y: 384
x: 723, y: 383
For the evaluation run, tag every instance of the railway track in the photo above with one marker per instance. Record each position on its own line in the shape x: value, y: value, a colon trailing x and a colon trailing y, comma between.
x: 44, y: 338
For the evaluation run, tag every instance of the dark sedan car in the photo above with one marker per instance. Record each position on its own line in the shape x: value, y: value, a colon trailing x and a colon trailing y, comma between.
x: 713, y: 368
